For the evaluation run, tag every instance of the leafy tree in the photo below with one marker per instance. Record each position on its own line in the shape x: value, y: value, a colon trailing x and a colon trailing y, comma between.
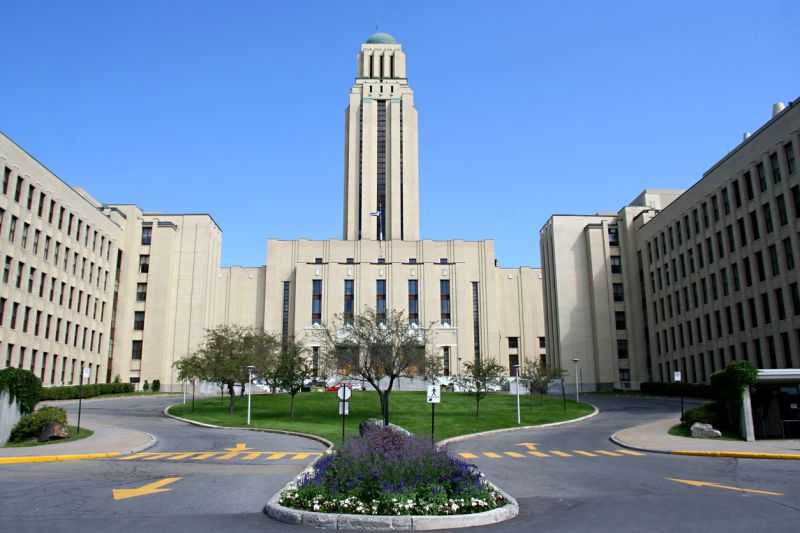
x: 146, y: 386
x: 190, y: 367
x: 481, y: 376
x: 22, y: 386
x: 536, y: 376
x: 156, y: 385
x: 224, y: 358
x: 263, y: 349
x: 292, y: 368
x: 377, y: 349
x: 432, y: 367
x: 728, y: 386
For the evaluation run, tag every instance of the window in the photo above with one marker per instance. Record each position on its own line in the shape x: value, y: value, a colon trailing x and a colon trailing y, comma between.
x: 748, y: 185
x: 783, y: 216
x: 316, y: 301
x: 144, y: 264
x: 788, y: 253
x: 136, y: 350
x: 762, y: 274
x: 381, y: 260
x: 138, y: 320
x: 25, y: 229
x: 765, y: 308
x: 446, y: 360
x: 476, y: 335
x: 513, y: 342
x: 12, y: 229
x: 773, y: 260
x: 616, y: 264
x: 754, y: 225
x: 731, y: 240
x: 18, y: 190
x: 36, y: 236
x: 350, y: 261
x: 7, y: 268
x: 285, y: 316
x: 6, y: 176
x: 613, y: 236
x: 412, y: 260
x: 790, y: 160
x: 704, y: 207
x: 513, y: 364
x: 141, y: 292
x: 742, y: 232
x: 622, y: 349
x: 619, y: 317
x: 618, y: 292
x: 542, y: 342
x: 317, y: 260
x: 776, y: 167
x: 726, y: 204
x: 147, y: 235
x: 380, y: 300
x: 762, y: 177
x: 715, y: 208
x: 767, y: 218
x: 444, y: 297
x: 413, y: 302
x: 443, y: 261
x: 737, y: 194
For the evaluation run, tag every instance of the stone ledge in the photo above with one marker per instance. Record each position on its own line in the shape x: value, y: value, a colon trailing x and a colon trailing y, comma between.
x: 287, y: 515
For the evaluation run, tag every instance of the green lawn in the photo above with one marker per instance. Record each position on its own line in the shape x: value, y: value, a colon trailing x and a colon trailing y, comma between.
x: 317, y: 412
x: 33, y: 442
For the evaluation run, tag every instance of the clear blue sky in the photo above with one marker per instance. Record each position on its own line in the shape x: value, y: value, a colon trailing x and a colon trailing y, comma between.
x: 526, y: 108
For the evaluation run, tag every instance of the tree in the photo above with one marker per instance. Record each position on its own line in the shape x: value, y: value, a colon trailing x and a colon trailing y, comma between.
x: 537, y: 377
x: 432, y: 367
x: 376, y: 348
x: 224, y: 358
x: 292, y: 369
x: 263, y: 349
x: 481, y: 376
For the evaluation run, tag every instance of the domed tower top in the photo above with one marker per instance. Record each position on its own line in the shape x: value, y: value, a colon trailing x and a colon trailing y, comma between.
x: 381, y: 38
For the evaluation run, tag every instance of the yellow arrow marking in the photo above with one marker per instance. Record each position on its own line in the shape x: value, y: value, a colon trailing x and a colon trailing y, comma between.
x: 240, y: 447
x: 528, y: 445
x: 151, y: 488
x: 717, y: 486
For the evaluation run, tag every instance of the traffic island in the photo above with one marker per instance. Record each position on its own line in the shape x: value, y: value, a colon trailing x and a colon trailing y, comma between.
x: 390, y: 480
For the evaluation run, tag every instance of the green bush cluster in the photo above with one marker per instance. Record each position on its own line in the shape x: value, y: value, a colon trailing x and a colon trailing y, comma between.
x: 690, y: 390
x: 72, y: 392
x: 31, y: 425
x: 156, y: 385
x: 705, y: 414
x: 23, y: 386
x: 728, y: 386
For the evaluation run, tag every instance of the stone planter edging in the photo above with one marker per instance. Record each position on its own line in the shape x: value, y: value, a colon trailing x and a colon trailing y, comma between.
x: 288, y: 515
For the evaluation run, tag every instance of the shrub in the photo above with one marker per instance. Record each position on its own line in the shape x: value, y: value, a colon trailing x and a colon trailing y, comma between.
x: 386, y: 472
x: 71, y: 392
x: 23, y: 386
x: 705, y: 414
x: 690, y: 390
x: 146, y: 386
x: 31, y: 425
x: 156, y: 385
x: 728, y: 386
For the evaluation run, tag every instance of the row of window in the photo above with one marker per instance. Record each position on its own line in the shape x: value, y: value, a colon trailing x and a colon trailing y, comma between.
x: 380, y: 261
x: 740, y: 324
x: 30, y: 320
x: 769, y: 352
x: 35, y: 361
x: 54, y: 212
x: 92, y: 274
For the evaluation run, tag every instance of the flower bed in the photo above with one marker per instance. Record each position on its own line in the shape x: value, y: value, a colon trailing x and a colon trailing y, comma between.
x: 387, y: 473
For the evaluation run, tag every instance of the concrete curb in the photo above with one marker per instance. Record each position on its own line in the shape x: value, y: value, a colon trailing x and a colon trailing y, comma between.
x: 322, y: 440
x: 143, y: 447
x: 737, y: 455
x: 506, y: 430
x: 287, y: 515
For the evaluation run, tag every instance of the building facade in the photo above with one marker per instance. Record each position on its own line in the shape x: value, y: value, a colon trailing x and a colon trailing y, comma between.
x: 684, y: 280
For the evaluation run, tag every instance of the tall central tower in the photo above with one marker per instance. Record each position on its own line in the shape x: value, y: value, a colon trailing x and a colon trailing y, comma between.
x: 381, y: 169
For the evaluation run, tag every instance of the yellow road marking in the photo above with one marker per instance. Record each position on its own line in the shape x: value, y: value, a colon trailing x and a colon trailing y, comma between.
x: 54, y: 458
x: 204, y: 456
x: 240, y: 447
x: 136, y: 456
x: 150, y: 488
x: 228, y: 456
x: 718, y: 486
x: 528, y: 445
x: 514, y: 454
x: 560, y: 454
x: 301, y: 456
x: 158, y: 456
x: 181, y: 456
x: 587, y: 454
x: 630, y: 452
x: 466, y: 455
x: 612, y: 454
x: 277, y: 456
x: 492, y: 455
x: 539, y: 454
x: 251, y: 456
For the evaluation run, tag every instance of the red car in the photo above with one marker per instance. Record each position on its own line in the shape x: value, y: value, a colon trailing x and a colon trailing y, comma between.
x: 334, y: 388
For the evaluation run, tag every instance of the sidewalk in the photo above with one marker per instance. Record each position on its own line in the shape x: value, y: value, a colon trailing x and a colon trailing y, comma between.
x: 654, y: 437
x: 108, y: 441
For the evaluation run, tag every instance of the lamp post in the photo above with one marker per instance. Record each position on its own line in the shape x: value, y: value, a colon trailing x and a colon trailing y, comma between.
x: 577, y: 384
x: 516, y: 374
x: 249, y: 390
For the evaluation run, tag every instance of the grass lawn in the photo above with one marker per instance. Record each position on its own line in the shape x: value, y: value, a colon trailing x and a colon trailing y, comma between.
x: 681, y: 431
x: 33, y: 442
x: 317, y: 412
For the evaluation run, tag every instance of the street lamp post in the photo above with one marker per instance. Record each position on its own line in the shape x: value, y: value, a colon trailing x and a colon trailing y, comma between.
x: 516, y: 372
x: 577, y: 384
x: 249, y: 390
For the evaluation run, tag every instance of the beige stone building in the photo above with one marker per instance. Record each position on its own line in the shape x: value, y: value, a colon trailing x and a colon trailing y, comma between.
x: 683, y: 280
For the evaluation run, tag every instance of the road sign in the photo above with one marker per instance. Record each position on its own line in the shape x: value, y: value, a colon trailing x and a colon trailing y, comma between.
x: 434, y: 393
x: 344, y: 408
x: 344, y: 392
x: 87, y: 372
x: 677, y: 375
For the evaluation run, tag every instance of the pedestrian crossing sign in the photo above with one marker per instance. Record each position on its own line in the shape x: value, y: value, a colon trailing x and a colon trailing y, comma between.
x: 434, y: 393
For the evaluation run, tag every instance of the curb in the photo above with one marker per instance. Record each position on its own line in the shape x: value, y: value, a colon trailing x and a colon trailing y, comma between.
x: 736, y: 455
x: 275, y: 510
x: 319, y: 439
x: 54, y: 458
x: 507, y: 430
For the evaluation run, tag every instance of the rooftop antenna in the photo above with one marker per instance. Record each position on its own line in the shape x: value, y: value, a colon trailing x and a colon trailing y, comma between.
x: 376, y: 24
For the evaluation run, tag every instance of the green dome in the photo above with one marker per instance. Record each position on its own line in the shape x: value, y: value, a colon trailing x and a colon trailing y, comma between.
x: 381, y: 38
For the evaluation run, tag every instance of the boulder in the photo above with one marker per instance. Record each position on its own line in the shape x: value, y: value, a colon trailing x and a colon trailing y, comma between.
x: 53, y: 430
x: 371, y: 424
x: 704, y: 431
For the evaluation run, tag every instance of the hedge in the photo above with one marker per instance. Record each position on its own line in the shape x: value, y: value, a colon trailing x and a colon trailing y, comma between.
x: 32, y: 424
x: 705, y: 414
x: 23, y: 386
x: 72, y: 392
x: 690, y: 390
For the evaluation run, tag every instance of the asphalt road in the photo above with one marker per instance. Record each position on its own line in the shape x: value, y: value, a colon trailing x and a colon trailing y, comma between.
x: 600, y: 489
